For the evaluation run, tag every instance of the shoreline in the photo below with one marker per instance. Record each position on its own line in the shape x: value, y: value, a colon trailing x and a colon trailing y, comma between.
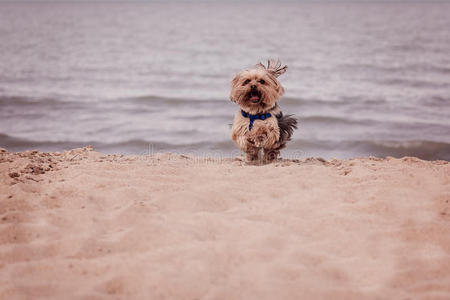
x: 82, y: 224
x: 422, y: 149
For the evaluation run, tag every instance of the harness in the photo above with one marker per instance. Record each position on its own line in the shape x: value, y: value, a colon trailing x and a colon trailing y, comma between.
x: 254, y: 117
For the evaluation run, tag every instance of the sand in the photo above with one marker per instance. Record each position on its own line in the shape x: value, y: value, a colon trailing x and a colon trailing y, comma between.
x: 84, y: 225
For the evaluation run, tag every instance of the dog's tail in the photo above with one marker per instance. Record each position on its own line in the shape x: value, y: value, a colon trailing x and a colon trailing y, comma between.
x: 274, y: 67
x: 287, y: 124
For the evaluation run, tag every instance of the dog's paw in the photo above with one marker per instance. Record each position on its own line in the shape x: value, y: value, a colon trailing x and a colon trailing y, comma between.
x: 270, y: 155
x: 260, y: 138
x: 252, y: 157
x: 250, y: 141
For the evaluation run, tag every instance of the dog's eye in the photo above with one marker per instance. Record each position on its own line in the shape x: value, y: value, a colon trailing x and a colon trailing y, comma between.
x: 262, y: 81
x: 247, y: 81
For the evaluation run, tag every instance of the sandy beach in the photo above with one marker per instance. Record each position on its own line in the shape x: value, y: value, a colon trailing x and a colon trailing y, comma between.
x: 83, y: 225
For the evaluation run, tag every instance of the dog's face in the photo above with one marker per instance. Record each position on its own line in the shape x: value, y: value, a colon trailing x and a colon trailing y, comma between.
x: 256, y: 90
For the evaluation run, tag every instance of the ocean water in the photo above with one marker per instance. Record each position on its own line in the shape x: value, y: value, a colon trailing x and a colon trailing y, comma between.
x: 363, y: 79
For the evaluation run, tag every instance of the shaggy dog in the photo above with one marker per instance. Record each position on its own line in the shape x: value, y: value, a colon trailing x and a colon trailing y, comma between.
x: 260, y: 124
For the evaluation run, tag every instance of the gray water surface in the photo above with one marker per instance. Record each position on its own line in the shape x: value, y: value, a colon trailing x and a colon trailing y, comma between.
x: 363, y: 78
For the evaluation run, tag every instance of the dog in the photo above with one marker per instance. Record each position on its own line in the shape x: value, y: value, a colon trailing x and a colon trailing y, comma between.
x: 260, y: 124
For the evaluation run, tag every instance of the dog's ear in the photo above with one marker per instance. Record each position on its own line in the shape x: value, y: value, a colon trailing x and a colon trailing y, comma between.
x: 234, y: 83
x: 280, y: 90
x: 273, y: 67
x: 260, y: 66
x: 277, y: 85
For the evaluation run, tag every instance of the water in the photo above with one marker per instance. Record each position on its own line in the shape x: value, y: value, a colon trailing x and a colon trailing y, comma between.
x: 363, y: 79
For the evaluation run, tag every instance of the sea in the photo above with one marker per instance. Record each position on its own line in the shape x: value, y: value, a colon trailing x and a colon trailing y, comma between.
x: 363, y: 78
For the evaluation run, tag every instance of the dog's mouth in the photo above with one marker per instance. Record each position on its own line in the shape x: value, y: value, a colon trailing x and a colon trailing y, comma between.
x: 254, y: 96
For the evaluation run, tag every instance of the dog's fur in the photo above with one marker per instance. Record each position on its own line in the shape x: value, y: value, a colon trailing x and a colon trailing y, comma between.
x: 257, y: 91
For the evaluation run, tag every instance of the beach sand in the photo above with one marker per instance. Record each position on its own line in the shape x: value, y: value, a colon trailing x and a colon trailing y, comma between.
x: 84, y: 225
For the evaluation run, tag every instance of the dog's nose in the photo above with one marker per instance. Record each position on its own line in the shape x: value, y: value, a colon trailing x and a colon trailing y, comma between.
x: 253, y: 87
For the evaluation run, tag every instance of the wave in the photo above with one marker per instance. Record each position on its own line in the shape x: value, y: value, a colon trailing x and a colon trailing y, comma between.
x: 335, y: 120
x: 400, y: 69
x: 295, y: 100
x: 415, y: 83
x: 437, y: 101
x: 130, y: 146
x: 141, y: 100
x: 429, y: 150
x: 423, y: 149
x: 21, y: 100
x: 44, y: 103
x: 164, y: 100
x: 12, y: 143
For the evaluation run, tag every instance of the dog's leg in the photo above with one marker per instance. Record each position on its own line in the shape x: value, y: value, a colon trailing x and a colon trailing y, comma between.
x: 260, y: 137
x: 251, y: 151
x: 271, y: 155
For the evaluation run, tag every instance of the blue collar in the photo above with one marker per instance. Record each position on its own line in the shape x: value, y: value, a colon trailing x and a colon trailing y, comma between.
x: 254, y: 117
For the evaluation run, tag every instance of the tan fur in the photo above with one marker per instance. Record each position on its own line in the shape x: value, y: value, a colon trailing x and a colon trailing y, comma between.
x: 271, y: 90
x: 265, y: 134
